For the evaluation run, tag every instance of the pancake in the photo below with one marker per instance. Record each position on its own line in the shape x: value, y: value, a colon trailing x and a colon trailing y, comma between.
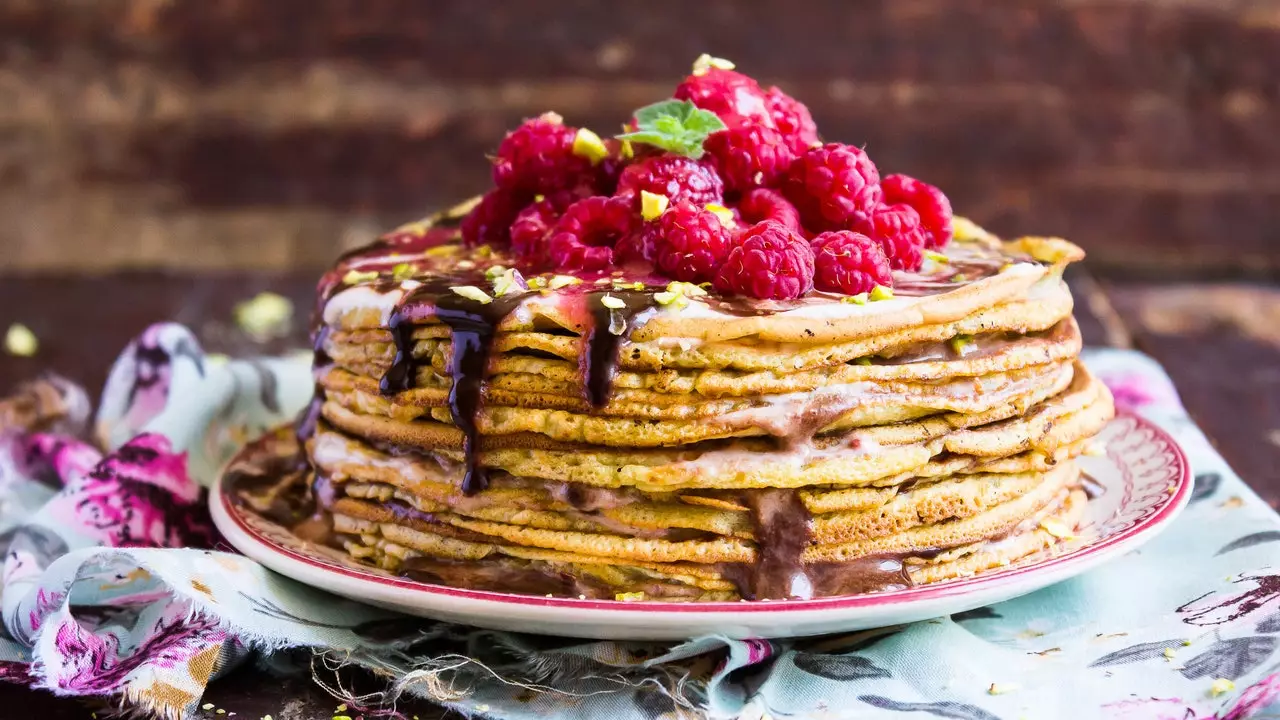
x: 615, y: 434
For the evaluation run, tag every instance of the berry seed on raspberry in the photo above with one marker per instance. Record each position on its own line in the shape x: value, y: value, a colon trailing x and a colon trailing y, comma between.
x: 833, y: 186
x: 749, y: 156
x: 763, y: 204
x: 584, y: 237
x: 768, y: 261
x: 849, y: 262
x: 676, y: 177
x: 897, y: 229
x: 928, y: 201
x: 539, y: 157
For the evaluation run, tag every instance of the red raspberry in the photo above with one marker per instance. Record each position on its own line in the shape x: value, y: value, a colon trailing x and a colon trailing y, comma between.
x: 734, y: 97
x: 833, y: 186
x: 537, y: 157
x: 685, y: 243
x: 583, y: 238
x: 677, y: 177
x: 848, y: 262
x: 933, y: 207
x: 792, y: 119
x: 897, y: 229
x: 768, y: 261
x: 489, y: 222
x: 761, y: 204
x: 749, y: 156
x: 530, y: 228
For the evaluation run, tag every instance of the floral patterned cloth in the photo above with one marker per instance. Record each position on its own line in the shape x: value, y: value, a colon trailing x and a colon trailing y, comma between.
x: 115, y: 583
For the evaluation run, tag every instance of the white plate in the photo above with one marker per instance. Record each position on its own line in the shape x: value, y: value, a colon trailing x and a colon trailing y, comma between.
x: 1144, y: 475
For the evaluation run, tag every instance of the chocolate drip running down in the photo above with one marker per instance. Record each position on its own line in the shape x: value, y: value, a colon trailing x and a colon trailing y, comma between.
x: 599, y: 360
x: 473, y: 325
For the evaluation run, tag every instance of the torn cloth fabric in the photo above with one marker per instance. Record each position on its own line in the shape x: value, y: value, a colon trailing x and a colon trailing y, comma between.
x: 116, y: 584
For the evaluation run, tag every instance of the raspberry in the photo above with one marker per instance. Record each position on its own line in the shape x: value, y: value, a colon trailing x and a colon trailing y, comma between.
x: 768, y: 261
x: 530, y: 228
x: 848, y: 262
x: 897, y: 229
x: 677, y: 177
x: 792, y: 119
x: 734, y: 97
x: 685, y: 243
x: 749, y: 156
x: 537, y: 157
x: 583, y: 238
x: 932, y: 205
x: 833, y: 186
x: 489, y: 222
x: 761, y: 204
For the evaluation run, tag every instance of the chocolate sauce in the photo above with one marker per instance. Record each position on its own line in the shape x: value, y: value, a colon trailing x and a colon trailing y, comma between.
x: 783, y: 529
x: 1092, y: 488
x: 502, y: 576
x: 599, y: 359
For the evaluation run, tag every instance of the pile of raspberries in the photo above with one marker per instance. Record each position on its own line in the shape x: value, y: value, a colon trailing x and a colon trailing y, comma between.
x: 767, y: 211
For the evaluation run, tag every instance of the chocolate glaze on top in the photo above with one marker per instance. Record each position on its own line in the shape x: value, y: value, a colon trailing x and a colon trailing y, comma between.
x: 599, y: 360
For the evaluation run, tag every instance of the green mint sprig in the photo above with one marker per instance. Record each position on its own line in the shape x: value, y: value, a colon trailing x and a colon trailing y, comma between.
x: 677, y: 126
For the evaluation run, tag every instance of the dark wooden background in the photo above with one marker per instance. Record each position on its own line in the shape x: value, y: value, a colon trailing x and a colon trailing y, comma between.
x: 235, y: 134
x: 164, y: 159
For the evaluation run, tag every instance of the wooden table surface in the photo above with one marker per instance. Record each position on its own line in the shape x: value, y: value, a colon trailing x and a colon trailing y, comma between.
x: 1219, y: 341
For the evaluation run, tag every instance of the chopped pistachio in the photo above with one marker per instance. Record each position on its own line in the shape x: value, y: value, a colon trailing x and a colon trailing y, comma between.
x: 629, y: 596
x: 880, y: 292
x: 625, y: 150
x: 862, y: 361
x: 673, y: 299
x: 1005, y: 267
x: 960, y: 344
x: 617, y: 323
x: 20, y: 341
x: 1186, y: 643
x: 652, y: 205
x: 443, y: 250
x: 471, y: 292
x: 964, y: 229
x: 722, y: 212
x: 705, y: 63
x: 536, y: 283
x: 341, y: 708
x: 1170, y: 653
x: 482, y: 251
x: 612, y: 302
x: 588, y: 145
x: 509, y: 282
x: 686, y: 288
x: 355, y: 277
x: 559, y: 281
x: 1056, y: 529
x: 465, y: 264
x: 859, y: 299
x: 207, y: 706
x: 624, y: 285
x: 936, y: 256
x: 403, y: 271
x: 494, y: 272
x: 539, y: 197
x: 959, y: 277
x: 1001, y: 688
x: 265, y: 316
x: 1220, y: 686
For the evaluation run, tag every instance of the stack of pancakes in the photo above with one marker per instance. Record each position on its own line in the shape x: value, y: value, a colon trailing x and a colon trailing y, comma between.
x: 614, y: 437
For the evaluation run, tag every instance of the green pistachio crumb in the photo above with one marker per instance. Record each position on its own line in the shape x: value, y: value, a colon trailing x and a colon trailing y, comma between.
x: 588, y: 145
x: 705, y: 63
x: 612, y: 302
x: 936, y: 256
x: 355, y: 277
x: 559, y: 281
x: 652, y: 205
x: 880, y: 292
x: 20, y: 341
x: 494, y: 272
x: 471, y: 292
x: 403, y: 271
x: 862, y: 361
x: 859, y: 299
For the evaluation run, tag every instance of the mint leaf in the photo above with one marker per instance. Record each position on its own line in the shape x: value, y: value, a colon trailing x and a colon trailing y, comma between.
x: 677, y: 126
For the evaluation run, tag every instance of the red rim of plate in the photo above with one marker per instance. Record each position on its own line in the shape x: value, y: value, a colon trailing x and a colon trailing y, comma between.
x: 1172, y: 504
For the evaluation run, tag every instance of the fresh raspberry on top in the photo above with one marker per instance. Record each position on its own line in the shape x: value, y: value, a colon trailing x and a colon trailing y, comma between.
x: 583, y: 238
x: 530, y: 228
x: 675, y: 176
x: 848, y: 262
x: 538, y: 157
x: 897, y: 229
x: 734, y: 97
x: 749, y: 156
x: 686, y: 242
x: 489, y: 222
x: 928, y: 201
x: 792, y: 119
x: 768, y: 261
x: 762, y: 204
x: 833, y: 186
